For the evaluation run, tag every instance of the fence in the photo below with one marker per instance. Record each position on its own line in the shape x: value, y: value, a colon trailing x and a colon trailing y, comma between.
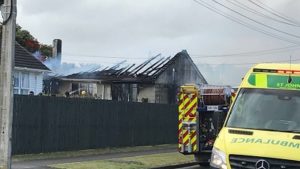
x: 49, y: 124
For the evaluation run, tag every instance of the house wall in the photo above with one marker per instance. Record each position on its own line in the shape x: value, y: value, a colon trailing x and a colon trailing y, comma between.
x: 161, y: 94
x: 180, y: 72
x: 155, y: 93
x: 64, y: 86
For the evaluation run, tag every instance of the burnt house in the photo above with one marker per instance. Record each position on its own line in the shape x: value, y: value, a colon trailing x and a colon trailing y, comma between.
x: 155, y: 81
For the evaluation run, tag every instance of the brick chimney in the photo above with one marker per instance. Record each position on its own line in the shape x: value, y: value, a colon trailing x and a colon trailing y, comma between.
x: 57, y: 48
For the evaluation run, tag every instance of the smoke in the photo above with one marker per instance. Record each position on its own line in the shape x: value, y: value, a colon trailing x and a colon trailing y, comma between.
x: 38, y: 55
x: 224, y: 74
x: 64, y: 69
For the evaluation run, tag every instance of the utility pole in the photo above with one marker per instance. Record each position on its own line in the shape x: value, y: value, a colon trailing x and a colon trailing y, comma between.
x: 9, y: 13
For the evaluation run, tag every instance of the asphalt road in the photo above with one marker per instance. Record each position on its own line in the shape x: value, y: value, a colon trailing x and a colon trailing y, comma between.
x: 195, y: 167
x: 41, y: 164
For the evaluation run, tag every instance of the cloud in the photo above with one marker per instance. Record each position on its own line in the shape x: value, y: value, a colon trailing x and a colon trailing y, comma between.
x: 130, y: 28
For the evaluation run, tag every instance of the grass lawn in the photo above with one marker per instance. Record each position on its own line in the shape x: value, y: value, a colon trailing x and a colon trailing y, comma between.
x: 137, y: 162
x: 67, y: 154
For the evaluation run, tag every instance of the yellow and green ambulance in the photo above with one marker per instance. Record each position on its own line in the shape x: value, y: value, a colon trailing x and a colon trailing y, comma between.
x: 262, y: 129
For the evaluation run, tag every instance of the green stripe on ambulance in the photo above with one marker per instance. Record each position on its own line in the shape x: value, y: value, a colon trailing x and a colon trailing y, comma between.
x: 274, y: 81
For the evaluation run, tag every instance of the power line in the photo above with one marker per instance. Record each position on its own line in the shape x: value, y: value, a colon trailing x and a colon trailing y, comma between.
x: 258, y: 22
x: 247, y: 8
x: 250, y: 54
x: 274, y: 12
x: 233, y: 63
x: 251, y: 63
x: 249, y: 26
x: 101, y: 56
x: 245, y: 54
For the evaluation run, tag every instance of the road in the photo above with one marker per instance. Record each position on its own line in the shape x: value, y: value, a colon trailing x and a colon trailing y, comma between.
x: 41, y: 164
x: 195, y: 167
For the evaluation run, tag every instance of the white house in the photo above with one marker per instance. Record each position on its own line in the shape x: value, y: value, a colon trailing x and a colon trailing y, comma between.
x: 28, y: 72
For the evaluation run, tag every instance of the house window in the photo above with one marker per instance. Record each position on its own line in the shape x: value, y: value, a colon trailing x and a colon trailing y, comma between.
x: 16, y: 83
x: 90, y: 88
x: 24, y: 83
x: 87, y: 87
x: 21, y: 83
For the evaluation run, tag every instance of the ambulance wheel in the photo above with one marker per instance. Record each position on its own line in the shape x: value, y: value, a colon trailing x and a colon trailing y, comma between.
x: 202, y: 160
x: 204, y: 164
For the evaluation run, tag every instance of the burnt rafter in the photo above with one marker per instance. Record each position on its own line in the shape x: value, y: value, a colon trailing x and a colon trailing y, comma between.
x: 141, y: 66
x: 117, y: 65
x: 158, y: 67
x: 126, y: 70
x: 137, y: 67
x: 106, y: 68
x: 128, y: 74
x: 163, y: 67
x: 146, y: 72
x: 151, y: 66
x: 117, y: 71
x: 94, y: 69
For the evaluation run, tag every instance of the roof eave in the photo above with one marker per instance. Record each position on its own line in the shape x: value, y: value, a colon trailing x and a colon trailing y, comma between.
x: 80, y: 80
x: 32, y: 70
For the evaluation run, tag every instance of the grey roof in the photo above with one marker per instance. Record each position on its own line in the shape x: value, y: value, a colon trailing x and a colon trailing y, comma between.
x: 24, y: 59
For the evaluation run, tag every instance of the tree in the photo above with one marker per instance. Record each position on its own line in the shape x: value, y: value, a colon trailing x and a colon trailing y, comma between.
x: 46, y: 49
x: 25, y: 39
x: 28, y: 41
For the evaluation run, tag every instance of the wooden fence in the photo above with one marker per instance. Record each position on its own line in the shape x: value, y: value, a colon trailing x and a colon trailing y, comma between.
x: 49, y: 124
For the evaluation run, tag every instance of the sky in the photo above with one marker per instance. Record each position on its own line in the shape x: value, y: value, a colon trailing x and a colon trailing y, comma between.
x: 106, y: 32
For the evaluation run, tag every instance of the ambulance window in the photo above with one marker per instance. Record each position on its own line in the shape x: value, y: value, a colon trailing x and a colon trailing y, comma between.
x: 266, y: 109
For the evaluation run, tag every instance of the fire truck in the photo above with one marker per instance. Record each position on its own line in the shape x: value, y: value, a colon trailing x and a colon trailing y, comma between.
x: 202, y: 111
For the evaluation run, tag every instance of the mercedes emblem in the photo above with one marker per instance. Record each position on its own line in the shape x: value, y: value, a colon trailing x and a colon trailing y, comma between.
x: 262, y: 164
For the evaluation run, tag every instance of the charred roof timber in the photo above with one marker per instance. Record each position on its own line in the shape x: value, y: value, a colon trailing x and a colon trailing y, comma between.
x: 145, y: 72
x: 117, y: 65
x: 163, y: 67
x: 126, y: 70
x: 158, y: 67
x: 141, y: 66
x: 151, y: 66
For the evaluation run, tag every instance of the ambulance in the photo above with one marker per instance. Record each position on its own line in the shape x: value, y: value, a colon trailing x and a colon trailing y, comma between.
x: 262, y: 128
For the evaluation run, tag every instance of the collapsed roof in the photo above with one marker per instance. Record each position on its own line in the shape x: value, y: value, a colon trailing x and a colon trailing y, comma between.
x: 146, y: 72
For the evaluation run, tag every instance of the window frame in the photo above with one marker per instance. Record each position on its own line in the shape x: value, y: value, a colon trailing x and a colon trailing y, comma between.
x: 20, y: 86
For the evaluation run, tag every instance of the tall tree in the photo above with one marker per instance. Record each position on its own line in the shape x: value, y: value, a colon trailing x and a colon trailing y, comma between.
x: 28, y: 41
x: 25, y: 39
